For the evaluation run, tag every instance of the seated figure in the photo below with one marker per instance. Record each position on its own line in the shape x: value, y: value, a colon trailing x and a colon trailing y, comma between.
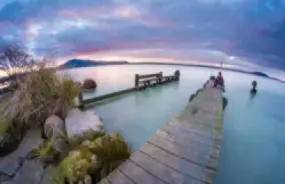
x: 219, y: 81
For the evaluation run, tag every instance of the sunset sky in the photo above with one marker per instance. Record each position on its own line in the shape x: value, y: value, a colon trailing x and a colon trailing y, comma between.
x: 244, y: 33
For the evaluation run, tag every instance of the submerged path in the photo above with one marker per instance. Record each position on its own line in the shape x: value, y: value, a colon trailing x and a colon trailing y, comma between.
x: 186, y: 150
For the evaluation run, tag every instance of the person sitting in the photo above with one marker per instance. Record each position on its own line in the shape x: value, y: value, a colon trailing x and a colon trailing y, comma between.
x: 219, y: 81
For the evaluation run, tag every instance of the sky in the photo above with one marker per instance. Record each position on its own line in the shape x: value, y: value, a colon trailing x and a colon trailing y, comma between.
x: 243, y: 33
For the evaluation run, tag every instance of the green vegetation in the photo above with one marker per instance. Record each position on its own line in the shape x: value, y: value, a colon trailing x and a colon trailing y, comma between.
x: 110, y: 150
x: 41, y: 93
x: 45, y: 152
x: 97, y: 159
x: 219, y: 119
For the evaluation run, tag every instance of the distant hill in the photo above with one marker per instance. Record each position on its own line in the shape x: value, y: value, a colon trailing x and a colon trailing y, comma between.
x: 75, y: 63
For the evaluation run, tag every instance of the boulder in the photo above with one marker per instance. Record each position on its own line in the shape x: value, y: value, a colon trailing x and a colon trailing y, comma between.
x: 81, y: 125
x: 89, y: 84
x: 55, y: 131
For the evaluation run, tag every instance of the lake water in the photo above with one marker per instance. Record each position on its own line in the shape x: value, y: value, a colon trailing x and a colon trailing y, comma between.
x: 253, y: 144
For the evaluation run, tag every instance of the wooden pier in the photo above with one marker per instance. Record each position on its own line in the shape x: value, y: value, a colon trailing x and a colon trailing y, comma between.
x: 141, y: 82
x: 185, y: 151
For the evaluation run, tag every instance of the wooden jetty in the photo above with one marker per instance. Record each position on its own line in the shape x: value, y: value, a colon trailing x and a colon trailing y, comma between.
x: 186, y: 150
x: 141, y: 82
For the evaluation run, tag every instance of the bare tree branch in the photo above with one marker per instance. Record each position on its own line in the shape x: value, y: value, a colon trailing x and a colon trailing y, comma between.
x: 14, y: 61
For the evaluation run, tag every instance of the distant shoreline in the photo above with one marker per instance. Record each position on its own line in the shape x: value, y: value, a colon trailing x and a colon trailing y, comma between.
x: 97, y: 64
x: 78, y: 63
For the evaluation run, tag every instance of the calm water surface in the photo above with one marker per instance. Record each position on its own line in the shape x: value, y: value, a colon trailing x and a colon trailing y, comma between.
x: 253, y: 146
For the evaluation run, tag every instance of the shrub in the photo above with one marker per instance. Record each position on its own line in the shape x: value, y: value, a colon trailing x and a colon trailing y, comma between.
x: 74, y: 167
x: 111, y: 150
x: 97, y: 158
x: 41, y: 93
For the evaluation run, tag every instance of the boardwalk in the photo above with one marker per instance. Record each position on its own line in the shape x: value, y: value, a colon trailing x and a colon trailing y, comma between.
x: 186, y: 150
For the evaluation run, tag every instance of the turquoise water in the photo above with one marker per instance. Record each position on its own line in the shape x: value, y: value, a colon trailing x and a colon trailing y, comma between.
x: 253, y: 145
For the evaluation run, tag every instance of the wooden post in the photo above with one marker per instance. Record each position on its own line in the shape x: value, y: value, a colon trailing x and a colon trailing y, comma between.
x: 160, y: 77
x: 136, y: 80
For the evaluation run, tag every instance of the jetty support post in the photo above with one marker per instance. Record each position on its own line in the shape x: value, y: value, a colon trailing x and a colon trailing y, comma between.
x: 160, y: 77
x: 136, y: 80
x: 177, y: 74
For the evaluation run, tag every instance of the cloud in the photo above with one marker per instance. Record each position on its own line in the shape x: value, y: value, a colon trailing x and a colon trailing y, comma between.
x: 240, y: 32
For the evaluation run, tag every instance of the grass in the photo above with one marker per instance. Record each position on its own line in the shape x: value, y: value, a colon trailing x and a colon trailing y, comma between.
x: 41, y: 93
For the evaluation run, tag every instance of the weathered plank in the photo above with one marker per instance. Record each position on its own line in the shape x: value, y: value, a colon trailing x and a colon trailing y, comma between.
x: 193, y: 152
x: 186, y: 150
x: 161, y: 171
x: 177, y: 163
x: 137, y: 173
x: 122, y: 178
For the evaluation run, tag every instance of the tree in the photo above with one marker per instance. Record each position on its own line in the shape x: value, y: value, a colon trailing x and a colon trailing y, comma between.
x: 14, y: 61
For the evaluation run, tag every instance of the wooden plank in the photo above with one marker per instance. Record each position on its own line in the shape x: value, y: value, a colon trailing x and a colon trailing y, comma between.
x: 104, y: 181
x: 166, y: 174
x: 138, y: 174
x: 149, y: 75
x: 177, y: 163
x: 150, y: 80
x: 176, y: 130
x: 196, y: 153
x: 184, y: 137
x: 200, y: 129
x: 120, y: 178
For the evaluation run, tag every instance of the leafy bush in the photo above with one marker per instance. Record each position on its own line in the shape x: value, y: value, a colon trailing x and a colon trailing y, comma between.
x: 41, y: 93
x: 111, y: 150
x: 74, y: 167
x: 98, y: 158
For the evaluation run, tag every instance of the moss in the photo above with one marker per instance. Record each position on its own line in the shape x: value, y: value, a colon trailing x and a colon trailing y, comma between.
x: 219, y: 119
x: 111, y: 150
x: 74, y: 167
x: 45, y: 150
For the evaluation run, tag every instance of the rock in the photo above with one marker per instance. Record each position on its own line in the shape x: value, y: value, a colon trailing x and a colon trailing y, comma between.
x: 89, y: 84
x: 192, y: 97
x: 55, y: 131
x: 81, y: 125
x: 24, y: 171
x: 54, y: 127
